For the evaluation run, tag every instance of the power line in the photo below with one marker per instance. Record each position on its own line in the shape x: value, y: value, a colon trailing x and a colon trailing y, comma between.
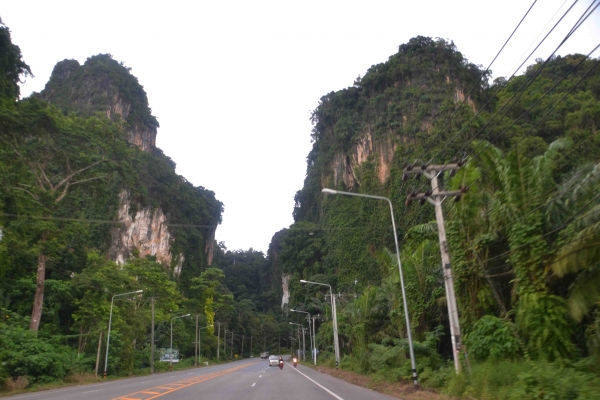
x: 475, y: 85
x: 508, y: 80
x: 500, y: 159
x: 538, y: 35
x: 95, y: 221
x: 533, y: 105
x: 556, y: 229
x: 544, y: 116
x: 538, y: 71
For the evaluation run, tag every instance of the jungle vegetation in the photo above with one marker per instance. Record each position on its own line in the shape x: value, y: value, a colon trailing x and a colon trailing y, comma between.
x: 524, y: 240
x: 63, y: 164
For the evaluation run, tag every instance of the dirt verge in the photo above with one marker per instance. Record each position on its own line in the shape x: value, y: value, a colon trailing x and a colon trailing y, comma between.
x: 400, y: 390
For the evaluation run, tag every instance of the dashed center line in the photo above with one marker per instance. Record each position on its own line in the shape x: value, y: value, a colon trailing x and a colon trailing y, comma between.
x: 159, y: 391
x: 253, y: 384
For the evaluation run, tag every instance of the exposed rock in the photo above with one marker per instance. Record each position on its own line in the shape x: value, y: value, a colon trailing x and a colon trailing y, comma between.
x: 285, y: 299
x: 344, y: 167
x: 147, y: 232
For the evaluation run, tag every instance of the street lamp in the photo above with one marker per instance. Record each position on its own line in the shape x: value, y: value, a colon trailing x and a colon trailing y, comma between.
x: 109, y: 324
x: 335, y: 327
x: 171, y: 356
x: 200, y: 342
x: 286, y: 342
x: 410, y: 343
x: 303, y: 341
x: 309, y: 333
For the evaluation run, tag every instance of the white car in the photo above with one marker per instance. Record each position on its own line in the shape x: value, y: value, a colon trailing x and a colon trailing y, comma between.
x: 273, y: 361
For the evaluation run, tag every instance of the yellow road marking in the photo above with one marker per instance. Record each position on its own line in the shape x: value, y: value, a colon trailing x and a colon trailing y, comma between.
x: 182, y: 384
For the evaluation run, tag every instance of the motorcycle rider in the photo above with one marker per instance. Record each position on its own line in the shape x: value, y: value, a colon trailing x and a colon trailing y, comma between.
x: 281, y: 362
x: 295, y: 362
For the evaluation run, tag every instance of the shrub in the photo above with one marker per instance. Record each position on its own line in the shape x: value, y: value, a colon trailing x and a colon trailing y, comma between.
x: 492, y: 338
x: 524, y: 380
x: 41, y: 360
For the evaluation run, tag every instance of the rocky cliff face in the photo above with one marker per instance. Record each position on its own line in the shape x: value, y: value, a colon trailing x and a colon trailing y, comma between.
x: 363, y: 133
x: 102, y: 85
x: 145, y: 232
x: 154, y: 195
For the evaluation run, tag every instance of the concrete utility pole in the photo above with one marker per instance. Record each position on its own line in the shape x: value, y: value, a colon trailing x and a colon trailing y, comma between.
x: 242, y: 353
x: 314, y: 341
x: 152, y: 340
x: 231, y: 345
x: 218, y: 339
x: 251, y: 355
x: 196, y: 344
x: 436, y: 197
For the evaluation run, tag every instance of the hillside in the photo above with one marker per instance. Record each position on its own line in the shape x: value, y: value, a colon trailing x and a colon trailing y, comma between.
x: 522, y: 241
x: 91, y: 210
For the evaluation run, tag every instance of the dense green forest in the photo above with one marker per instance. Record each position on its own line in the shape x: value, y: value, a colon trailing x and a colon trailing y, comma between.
x: 65, y: 170
x: 523, y: 240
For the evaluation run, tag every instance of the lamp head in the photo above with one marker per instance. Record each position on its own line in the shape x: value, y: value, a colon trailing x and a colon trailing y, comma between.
x: 302, y: 281
x: 329, y: 191
x: 292, y: 310
x: 138, y: 291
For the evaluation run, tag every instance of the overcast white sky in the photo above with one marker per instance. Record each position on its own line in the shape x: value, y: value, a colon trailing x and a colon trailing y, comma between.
x: 233, y: 82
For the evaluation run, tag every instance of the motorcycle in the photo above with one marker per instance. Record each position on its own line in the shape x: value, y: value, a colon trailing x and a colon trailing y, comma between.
x: 295, y: 362
x: 280, y: 364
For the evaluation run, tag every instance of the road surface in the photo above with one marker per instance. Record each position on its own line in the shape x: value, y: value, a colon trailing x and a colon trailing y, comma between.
x: 250, y: 379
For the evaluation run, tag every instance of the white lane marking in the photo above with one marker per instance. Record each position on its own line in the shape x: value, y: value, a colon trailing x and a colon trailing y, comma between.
x: 260, y: 376
x: 253, y: 384
x: 318, y: 384
x: 91, y: 391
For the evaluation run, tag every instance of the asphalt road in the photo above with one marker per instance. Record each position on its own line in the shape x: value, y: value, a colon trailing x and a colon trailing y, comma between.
x: 250, y: 379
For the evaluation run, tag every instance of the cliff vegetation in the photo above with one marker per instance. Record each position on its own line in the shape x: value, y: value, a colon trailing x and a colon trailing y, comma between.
x: 523, y: 241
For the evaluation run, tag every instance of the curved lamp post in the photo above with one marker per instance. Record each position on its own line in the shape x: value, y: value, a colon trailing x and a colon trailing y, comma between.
x: 171, y: 356
x: 200, y: 342
x: 309, y: 332
x: 109, y: 324
x: 408, y: 330
x: 335, y: 327
x: 303, y: 341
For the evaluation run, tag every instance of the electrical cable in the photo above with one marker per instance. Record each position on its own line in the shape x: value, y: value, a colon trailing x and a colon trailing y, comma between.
x: 538, y: 71
x: 476, y: 84
x: 94, y: 221
x: 508, y: 80
x: 557, y: 229
x: 538, y: 35
x: 543, y: 117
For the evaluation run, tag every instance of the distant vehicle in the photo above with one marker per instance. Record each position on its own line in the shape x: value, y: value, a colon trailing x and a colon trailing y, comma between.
x: 273, y: 361
x: 264, y: 354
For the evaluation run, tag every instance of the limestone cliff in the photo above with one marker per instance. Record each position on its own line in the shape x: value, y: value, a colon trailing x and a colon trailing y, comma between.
x: 160, y: 213
x: 103, y: 85
x: 147, y: 232
x: 363, y: 133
